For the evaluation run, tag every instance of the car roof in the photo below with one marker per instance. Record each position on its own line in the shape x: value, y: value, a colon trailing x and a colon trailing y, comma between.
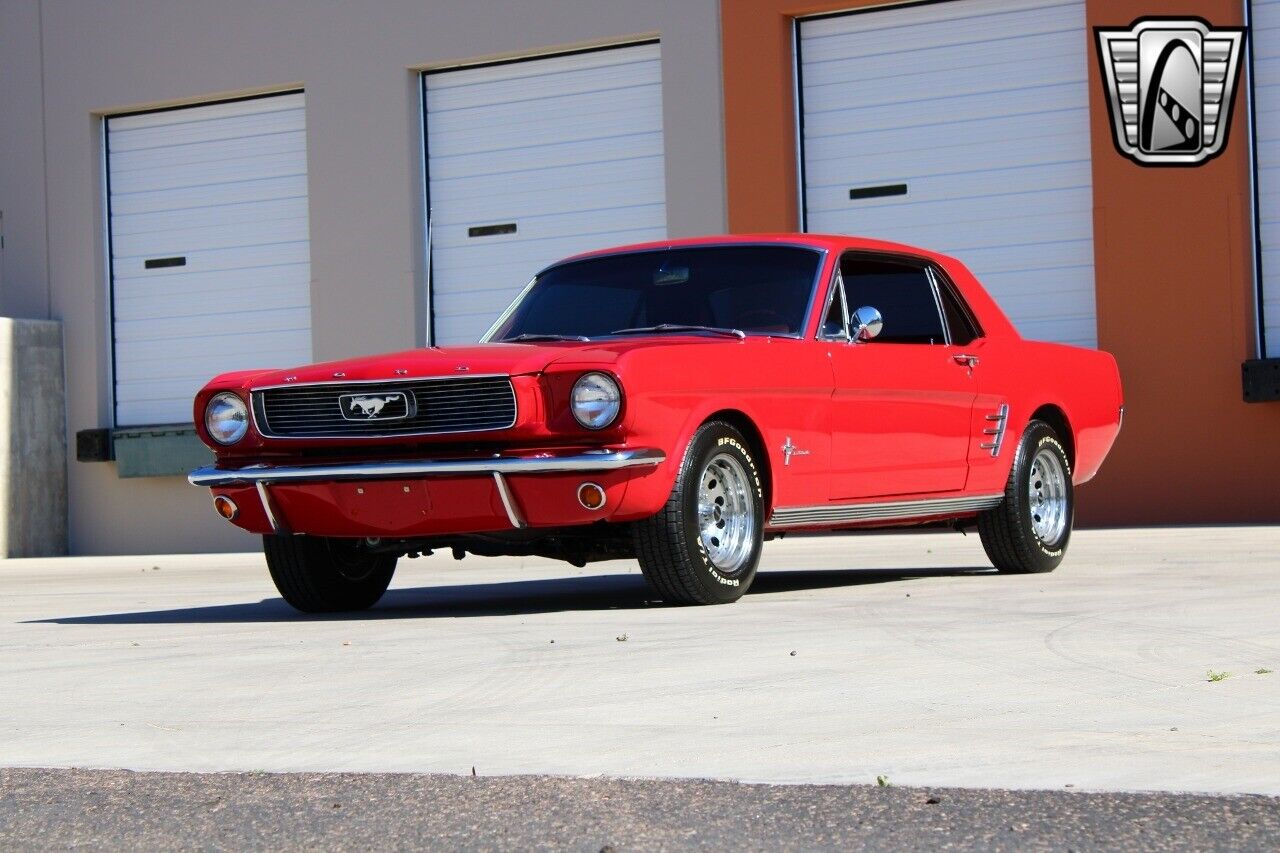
x: 832, y: 242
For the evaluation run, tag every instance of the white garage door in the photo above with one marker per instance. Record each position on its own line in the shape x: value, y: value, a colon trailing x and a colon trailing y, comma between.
x: 210, y: 261
x: 1266, y: 105
x: 962, y: 127
x: 530, y: 161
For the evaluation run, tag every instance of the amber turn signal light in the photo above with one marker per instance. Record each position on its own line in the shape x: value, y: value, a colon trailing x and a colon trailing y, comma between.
x: 591, y: 496
x: 226, y: 507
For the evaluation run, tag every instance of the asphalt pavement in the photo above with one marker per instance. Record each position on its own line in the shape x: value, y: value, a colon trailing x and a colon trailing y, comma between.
x: 44, y: 809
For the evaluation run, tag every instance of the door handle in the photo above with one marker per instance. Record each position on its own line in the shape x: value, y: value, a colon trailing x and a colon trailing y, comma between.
x: 966, y: 360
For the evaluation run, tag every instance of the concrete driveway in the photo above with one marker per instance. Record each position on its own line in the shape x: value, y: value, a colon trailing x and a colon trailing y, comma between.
x: 852, y: 658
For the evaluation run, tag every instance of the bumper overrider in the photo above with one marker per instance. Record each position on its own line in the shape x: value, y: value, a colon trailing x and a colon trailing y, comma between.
x: 427, y: 497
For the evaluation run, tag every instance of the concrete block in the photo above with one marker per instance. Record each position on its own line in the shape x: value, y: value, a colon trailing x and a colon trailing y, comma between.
x: 158, y: 451
x: 33, y: 439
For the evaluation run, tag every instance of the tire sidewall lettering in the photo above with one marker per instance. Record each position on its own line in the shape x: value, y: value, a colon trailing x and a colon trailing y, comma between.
x: 1031, y: 452
x: 693, y: 471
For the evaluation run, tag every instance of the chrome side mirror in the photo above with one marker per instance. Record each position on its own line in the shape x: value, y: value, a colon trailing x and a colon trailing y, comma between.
x: 865, y: 324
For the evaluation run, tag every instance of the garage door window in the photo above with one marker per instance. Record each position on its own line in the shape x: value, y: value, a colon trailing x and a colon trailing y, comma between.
x: 209, y: 250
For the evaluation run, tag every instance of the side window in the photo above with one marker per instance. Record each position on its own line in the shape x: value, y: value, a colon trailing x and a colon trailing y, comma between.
x: 833, y: 325
x: 962, y: 328
x: 901, y: 291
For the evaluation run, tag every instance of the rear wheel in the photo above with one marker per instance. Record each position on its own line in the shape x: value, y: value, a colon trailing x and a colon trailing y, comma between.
x: 1029, y: 531
x: 322, y: 575
x: 703, y: 547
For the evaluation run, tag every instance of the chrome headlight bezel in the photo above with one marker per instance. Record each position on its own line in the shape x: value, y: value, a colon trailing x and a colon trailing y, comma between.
x: 228, y: 408
x: 596, y: 400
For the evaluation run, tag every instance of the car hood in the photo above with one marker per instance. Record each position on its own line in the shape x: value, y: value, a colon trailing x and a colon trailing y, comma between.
x: 472, y: 360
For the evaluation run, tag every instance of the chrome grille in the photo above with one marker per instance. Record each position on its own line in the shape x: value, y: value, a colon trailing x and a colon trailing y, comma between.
x: 406, y: 407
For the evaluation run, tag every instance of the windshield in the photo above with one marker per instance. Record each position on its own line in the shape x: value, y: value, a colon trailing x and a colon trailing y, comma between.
x: 760, y: 290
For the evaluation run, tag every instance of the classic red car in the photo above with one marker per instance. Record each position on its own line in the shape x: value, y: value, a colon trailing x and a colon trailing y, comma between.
x: 677, y: 402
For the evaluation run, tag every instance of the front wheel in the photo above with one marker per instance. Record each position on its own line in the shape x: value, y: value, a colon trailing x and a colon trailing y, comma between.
x: 316, y: 574
x: 703, y: 547
x: 1029, y: 531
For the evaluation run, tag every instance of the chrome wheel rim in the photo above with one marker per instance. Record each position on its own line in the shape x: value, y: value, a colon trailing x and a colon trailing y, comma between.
x: 726, y: 513
x: 1047, y: 497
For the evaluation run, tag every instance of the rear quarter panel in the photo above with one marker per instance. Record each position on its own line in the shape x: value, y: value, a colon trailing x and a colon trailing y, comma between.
x: 1083, y: 383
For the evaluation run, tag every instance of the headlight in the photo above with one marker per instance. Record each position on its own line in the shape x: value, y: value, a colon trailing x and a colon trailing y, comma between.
x: 596, y: 400
x: 226, y: 418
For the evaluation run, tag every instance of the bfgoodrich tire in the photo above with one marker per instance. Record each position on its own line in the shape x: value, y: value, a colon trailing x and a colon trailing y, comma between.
x: 319, y: 575
x: 1029, y: 531
x: 703, y: 547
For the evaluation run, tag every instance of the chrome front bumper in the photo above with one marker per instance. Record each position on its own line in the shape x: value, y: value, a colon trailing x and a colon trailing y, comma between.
x: 590, y: 460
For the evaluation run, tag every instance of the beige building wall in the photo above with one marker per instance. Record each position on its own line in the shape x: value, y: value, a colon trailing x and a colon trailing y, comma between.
x: 358, y: 63
x: 24, y: 279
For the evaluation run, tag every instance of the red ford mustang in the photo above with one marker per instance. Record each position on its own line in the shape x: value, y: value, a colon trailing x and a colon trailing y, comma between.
x: 679, y: 403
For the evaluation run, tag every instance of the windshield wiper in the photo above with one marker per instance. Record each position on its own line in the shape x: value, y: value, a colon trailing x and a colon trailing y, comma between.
x: 537, y: 337
x: 675, y: 328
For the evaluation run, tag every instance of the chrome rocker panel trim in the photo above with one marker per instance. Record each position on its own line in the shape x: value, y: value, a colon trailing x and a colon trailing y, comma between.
x: 831, y: 514
x: 602, y: 460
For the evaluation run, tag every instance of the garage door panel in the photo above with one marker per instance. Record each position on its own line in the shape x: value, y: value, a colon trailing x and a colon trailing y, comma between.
x: 603, y: 118
x: 267, y: 294
x: 926, y: 87
x: 981, y: 109
x: 591, y: 231
x: 130, y: 145
x: 126, y: 270
x: 205, y: 215
x: 1040, y: 256
x: 157, y: 201
x: 222, y: 187
x: 195, y: 176
x: 969, y: 186
x: 960, y: 237
x: 498, y: 268
x: 516, y: 162
x: 837, y: 37
x: 954, y: 162
x: 1010, y: 128
x: 1043, y: 209
x: 873, y: 69
x: 200, y: 153
x: 579, y: 109
x: 1265, y: 44
x: 540, y: 193
x: 1014, y: 102
x: 569, y: 149
x: 1266, y: 72
x: 173, y: 241
x: 1000, y: 98
x: 230, y: 349
x: 1080, y: 331
x: 535, y: 80
x: 191, y: 285
x: 247, y: 322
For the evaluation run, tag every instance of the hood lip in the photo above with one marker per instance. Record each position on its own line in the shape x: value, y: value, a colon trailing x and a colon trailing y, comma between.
x: 391, y: 380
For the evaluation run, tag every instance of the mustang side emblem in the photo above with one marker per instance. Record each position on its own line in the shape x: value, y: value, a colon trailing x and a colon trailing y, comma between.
x: 789, y: 450
x: 1171, y: 83
x: 383, y: 407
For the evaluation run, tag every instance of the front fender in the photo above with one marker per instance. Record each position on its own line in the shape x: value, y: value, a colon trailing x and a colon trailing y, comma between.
x: 782, y: 387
